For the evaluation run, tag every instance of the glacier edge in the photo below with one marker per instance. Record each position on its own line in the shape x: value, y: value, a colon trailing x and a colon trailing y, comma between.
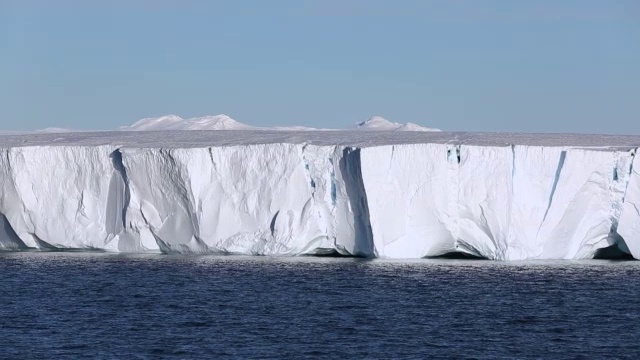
x: 503, y: 202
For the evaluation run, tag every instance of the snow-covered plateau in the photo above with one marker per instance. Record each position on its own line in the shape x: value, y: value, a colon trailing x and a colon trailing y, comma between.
x: 388, y: 194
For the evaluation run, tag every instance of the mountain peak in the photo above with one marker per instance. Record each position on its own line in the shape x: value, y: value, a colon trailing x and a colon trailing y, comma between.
x: 224, y: 122
x: 174, y: 122
x: 378, y: 123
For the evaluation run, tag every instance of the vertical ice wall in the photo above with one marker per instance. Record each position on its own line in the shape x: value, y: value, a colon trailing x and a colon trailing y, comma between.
x: 280, y: 199
x: 511, y: 202
x: 484, y: 193
x: 398, y: 201
x: 433, y: 199
x: 409, y: 189
x: 583, y: 204
x: 629, y: 224
x: 57, y: 197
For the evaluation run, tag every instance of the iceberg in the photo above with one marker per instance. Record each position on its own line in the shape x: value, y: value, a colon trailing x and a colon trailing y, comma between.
x: 386, y: 193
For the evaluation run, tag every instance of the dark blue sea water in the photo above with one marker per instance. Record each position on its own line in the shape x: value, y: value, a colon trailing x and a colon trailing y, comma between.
x: 71, y: 305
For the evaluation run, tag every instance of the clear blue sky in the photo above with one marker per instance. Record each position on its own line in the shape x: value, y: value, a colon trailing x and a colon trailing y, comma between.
x: 540, y: 66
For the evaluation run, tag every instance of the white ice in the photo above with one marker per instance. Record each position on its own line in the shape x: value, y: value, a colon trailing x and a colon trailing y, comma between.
x: 391, y: 194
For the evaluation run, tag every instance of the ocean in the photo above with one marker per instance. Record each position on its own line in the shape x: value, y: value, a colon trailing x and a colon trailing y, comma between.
x: 57, y: 305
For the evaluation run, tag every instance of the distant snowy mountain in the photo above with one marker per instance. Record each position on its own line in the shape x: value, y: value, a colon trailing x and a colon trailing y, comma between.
x: 224, y: 122
x: 57, y: 130
x: 49, y: 130
x: 377, y: 123
x: 173, y: 122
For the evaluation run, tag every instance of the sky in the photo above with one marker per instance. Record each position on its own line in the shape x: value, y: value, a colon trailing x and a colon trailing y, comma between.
x: 475, y: 65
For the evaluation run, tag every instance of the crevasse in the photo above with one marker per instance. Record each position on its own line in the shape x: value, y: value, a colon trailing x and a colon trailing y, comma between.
x: 508, y: 202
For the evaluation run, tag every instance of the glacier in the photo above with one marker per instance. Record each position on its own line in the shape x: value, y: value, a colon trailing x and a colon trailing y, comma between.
x: 385, y: 194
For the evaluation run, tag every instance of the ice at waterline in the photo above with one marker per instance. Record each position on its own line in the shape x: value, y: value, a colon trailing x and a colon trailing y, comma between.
x: 387, y: 193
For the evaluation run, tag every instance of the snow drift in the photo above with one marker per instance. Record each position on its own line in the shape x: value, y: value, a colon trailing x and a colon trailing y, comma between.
x: 400, y: 195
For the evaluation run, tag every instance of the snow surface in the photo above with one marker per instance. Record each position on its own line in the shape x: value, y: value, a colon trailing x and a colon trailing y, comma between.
x: 390, y: 194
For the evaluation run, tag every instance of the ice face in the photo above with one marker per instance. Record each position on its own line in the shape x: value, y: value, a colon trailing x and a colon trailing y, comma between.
x: 280, y: 199
x: 629, y: 222
x: 58, y: 197
x: 289, y: 196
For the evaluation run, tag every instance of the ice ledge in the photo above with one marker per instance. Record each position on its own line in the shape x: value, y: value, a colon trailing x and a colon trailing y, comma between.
x: 205, y: 138
x: 393, y: 196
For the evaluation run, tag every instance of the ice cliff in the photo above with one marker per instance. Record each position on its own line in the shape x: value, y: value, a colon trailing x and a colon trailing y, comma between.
x: 376, y: 194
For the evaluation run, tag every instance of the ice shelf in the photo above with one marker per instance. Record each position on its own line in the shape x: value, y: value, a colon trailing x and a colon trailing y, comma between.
x: 374, y: 194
